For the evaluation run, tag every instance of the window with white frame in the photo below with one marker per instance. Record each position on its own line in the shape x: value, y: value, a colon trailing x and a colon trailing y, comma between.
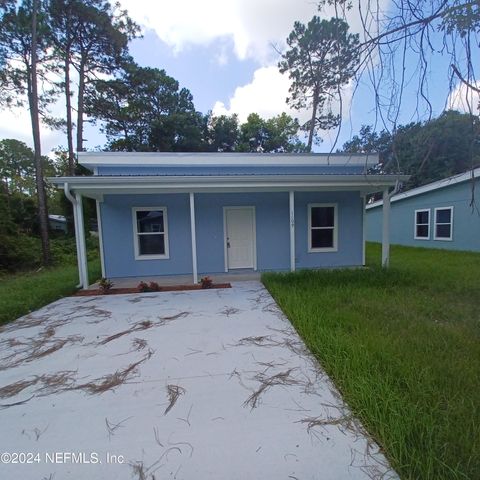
x: 444, y: 223
x: 150, y: 232
x: 322, y: 227
x: 422, y: 224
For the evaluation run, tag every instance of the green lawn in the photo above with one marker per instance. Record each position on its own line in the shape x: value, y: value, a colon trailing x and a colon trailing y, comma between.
x: 22, y: 293
x: 403, y: 346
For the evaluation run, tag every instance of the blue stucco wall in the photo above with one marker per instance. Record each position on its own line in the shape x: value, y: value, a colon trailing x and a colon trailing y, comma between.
x: 466, y: 222
x: 272, y: 232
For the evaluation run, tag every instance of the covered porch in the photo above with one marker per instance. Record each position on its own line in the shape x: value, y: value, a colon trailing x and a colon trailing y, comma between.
x: 98, y: 187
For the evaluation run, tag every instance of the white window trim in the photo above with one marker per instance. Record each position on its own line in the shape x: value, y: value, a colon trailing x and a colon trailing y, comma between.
x: 136, y: 234
x: 335, y: 228
x: 415, y: 224
x: 447, y: 239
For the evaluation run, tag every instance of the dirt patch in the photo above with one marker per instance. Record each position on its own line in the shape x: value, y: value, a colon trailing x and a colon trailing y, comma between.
x: 167, y: 288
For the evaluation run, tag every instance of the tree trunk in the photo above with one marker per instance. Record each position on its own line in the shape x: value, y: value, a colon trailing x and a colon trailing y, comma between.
x: 80, y: 103
x: 68, y: 103
x: 34, y: 115
x: 312, y: 120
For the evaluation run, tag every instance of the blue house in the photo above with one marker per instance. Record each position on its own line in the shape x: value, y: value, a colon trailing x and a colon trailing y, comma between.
x: 437, y: 215
x: 210, y: 213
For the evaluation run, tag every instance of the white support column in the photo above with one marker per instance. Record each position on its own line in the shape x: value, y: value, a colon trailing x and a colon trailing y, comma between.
x: 100, y: 237
x: 194, y: 237
x: 364, y: 228
x: 80, y: 233
x: 77, y: 243
x: 291, y: 202
x: 386, y: 229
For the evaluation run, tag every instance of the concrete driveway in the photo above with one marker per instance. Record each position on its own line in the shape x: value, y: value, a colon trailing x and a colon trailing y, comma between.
x: 210, y: 384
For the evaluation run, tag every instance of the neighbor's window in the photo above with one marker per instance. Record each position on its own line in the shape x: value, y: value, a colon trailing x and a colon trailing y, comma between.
x: 150, y: 228
x: 422, y: 224
x: 322, y: 231
x: 443, y: 223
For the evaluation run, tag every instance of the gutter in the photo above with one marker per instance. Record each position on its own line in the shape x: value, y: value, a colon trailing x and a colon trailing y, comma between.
x: 74, y: 203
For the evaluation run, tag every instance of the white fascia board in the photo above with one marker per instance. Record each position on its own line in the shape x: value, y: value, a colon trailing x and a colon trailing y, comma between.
x: 168, y: 182
x: 96, y: 187
x: 446, y: 182
x: 148, y: 159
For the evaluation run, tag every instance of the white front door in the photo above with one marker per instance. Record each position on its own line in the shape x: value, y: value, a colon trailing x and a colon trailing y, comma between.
x: 240, y: 237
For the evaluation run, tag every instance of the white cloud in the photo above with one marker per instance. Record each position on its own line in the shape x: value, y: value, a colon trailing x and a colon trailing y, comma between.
x: 465, y: 99
x: 252, y: 24
x: 16, y: 124
x: 265, y: 95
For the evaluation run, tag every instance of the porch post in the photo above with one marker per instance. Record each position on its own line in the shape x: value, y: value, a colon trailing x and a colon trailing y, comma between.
x: 291, y: 202
x: 82, y: 250
x: 100, y: 237
x: 386, y: 229
x: 194, y: 237
x: 364, y: 228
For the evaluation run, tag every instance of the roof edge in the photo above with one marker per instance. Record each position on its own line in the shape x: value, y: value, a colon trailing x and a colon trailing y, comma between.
x: 439, y: 184
x: 139, y: 159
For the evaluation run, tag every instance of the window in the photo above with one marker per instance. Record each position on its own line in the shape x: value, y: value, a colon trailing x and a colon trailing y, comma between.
x: 443, y: 223
x: 150, y: 233
x: 422, y: 225
x: 322, y: 228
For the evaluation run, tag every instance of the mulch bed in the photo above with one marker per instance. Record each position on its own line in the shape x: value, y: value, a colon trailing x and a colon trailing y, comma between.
x: 166, y: 288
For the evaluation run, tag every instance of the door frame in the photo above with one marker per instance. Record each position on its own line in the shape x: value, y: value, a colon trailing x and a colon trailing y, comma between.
x: 254, y: 233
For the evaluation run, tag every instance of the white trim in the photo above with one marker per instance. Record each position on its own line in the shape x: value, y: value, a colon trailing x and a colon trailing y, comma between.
x: 415, y: 224
x: 335, y: 228
x: 291, y: 207
x: 134, y: 159
x: 364, y: 230
x: 136, y: 246
x: 435, y: 237
x: 194, y: 238
x: 386, y: 229
x: 446, y: 182
x: 100, y: 238
x: 199, y: 182
x: 81, y: 241
x: 254, y: 233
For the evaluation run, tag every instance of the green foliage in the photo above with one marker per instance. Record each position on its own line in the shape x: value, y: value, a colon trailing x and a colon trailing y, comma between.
x: 23, y: 293
x: 321, y: 58
x: 403, y: 346
x: 144, y: 109
x: 274, y: 135
x: 105, y: 285
x: 223, y: 133
x: 427, y: 151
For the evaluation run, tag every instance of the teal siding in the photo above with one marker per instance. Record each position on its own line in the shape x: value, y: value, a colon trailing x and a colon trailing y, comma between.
x: 466, y: 220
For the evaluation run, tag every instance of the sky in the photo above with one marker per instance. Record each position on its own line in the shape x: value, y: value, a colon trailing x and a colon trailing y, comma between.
x: 226, y: 53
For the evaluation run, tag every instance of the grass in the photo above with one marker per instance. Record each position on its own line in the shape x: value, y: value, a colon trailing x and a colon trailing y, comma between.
x: 403, y: 347
x: 25, y: 292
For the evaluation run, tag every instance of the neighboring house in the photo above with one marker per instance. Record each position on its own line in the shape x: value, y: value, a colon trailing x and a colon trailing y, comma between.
x: 57, y: 222
x: 437, y: 215
x: 206, y: 213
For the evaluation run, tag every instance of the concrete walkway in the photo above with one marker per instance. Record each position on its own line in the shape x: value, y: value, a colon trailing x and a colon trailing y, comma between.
x: 198, y: 385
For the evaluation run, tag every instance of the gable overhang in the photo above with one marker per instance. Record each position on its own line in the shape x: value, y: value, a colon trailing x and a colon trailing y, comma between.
x: 93, y: 160
x: 471, y: 175
x: 97, y: 186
